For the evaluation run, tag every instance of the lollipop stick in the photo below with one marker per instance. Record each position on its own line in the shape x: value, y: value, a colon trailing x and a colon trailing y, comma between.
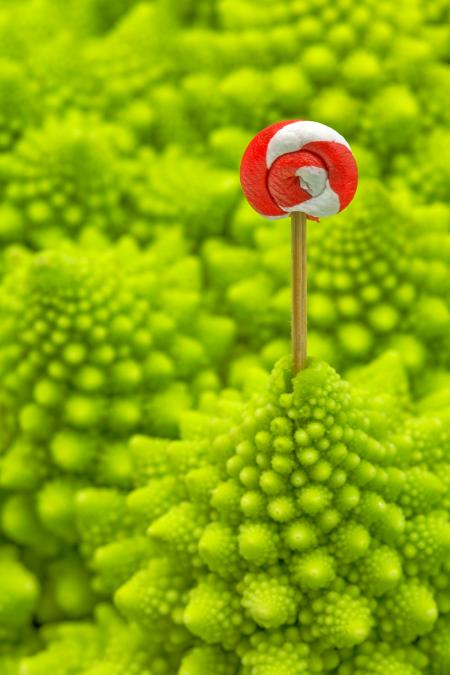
x: 299, y: 291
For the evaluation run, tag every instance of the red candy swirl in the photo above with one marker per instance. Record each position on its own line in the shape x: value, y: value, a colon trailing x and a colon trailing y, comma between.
x: 298, y: 166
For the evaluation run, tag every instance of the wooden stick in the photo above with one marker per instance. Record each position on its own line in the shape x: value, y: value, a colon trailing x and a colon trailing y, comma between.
x: 299, y: 291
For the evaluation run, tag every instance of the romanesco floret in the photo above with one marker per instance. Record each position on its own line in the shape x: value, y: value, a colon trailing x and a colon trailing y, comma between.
x: 74, y: 176
x: 107, y: 646
x: 369, y: 287
x: 430, y: 178
x: 310, y: 535
x: 64, y: 177
x: 172, y: 188
x: 93, y: 350
x: 129, y: 59
x: 270, y: 552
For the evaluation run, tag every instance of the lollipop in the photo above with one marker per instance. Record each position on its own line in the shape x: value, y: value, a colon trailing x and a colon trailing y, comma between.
x: 303, y: 169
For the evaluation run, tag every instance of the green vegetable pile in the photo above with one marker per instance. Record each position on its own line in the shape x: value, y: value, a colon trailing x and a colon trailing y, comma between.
x: 172, y: 501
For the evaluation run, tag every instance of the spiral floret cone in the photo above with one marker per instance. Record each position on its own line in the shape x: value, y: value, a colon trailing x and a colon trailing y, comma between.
x: 93, y: 351
x: 297, y: 541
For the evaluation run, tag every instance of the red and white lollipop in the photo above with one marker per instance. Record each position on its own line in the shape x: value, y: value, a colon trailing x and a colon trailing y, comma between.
x: 306, y: 170
x: 301, y: 166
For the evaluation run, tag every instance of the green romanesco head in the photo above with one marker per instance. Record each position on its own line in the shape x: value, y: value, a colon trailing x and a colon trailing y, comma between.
x: 105, y: 646
x: 310, y: 532
x: 95, y: 347
x: 275, y: 546
x: 377, y: 279
x: 64, y: 177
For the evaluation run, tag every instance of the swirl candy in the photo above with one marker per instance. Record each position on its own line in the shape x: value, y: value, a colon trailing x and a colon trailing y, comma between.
x: 298, y: 166
x: 307, y: 170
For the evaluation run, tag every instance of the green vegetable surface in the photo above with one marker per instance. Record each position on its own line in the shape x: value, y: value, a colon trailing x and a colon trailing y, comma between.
x: 303, y: 531
x: 170, y: 502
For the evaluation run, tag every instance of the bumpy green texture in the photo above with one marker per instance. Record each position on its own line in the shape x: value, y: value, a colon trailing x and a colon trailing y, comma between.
x: 304, y: 531
x: 19, y: 591
x: 94, y: 348
x: 74, y: 177
x: 107, y: 646
x: 271, y: 552
x: 124, y: 118
x: 378, y: 278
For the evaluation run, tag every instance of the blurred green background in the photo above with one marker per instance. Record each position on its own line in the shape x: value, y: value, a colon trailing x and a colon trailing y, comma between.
x: 137, y: 282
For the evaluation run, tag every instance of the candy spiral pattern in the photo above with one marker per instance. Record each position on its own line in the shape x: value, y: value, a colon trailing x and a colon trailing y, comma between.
x: 298, y: 165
